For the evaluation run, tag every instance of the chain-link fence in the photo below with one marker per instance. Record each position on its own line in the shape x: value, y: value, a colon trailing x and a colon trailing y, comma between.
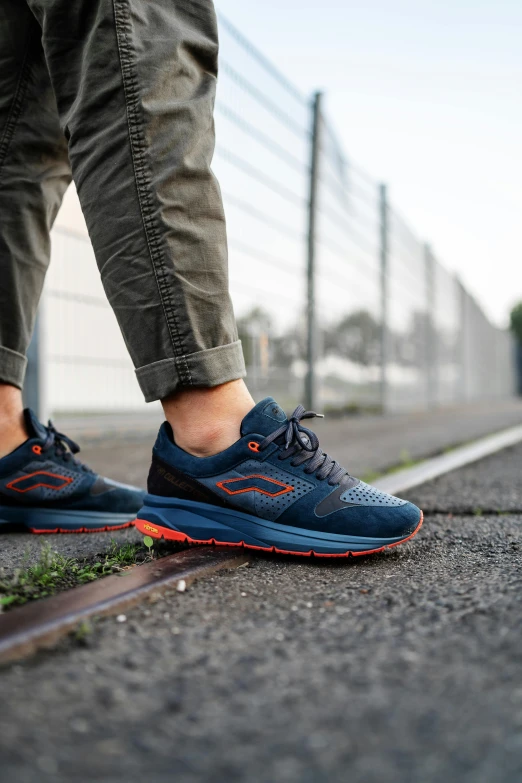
x: 337, y: 300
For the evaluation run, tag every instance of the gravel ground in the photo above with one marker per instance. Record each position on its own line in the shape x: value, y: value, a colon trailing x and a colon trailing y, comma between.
x: 362, y: 444
x: 396, y: 668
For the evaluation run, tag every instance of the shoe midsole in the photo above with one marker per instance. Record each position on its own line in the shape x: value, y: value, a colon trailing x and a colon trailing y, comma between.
x: 203, y: 521
x: 49, y: 518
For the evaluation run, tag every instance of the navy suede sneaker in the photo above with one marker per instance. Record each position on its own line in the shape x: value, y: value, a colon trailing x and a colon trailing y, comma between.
x: 44, y: 488
x: 275, y: 490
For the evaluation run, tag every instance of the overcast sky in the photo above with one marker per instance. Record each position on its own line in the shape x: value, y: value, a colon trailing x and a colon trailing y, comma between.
x: 427, y: 97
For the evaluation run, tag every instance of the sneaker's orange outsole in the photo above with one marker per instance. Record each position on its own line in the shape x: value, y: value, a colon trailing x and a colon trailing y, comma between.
x: 105, y: 529
x: 173, y: 535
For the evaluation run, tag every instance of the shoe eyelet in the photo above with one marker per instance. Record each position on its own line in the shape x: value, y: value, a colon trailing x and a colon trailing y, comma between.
x: 36, y: 450
x: 254, y: 446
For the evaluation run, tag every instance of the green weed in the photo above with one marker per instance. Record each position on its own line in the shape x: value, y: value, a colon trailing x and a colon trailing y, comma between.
x: 53, y: 573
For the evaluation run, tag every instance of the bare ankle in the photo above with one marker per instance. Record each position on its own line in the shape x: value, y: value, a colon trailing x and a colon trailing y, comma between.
x: 12, y: 425
x: 206, y: 421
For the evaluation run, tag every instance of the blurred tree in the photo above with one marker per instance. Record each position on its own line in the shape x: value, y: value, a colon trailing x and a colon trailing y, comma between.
x: 250, y: 326
x: 356, y: 336
x: 283, y: 348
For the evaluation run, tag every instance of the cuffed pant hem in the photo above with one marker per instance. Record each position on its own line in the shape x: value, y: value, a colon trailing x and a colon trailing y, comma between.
x: 205, y: 368
x: 12, y: 367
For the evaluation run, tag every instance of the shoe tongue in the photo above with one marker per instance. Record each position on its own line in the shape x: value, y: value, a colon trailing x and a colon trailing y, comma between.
x: 265, y: 418
x: 35, y: 428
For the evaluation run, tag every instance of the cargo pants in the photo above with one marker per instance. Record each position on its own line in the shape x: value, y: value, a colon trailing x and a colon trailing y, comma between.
x: 119, y: 95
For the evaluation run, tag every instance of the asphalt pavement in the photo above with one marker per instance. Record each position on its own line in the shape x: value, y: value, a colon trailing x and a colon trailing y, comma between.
x: 402, y: 667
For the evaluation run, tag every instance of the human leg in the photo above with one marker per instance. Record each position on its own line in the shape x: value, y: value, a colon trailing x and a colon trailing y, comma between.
x: 135, y: 86
x: 34, y: 174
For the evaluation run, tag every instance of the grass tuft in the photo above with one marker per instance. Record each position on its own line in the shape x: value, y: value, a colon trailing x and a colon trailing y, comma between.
x: 54, y: 572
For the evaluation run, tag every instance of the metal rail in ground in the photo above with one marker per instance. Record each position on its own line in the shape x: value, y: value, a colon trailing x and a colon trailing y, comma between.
x: 429, y: 469
x: 42, y: 623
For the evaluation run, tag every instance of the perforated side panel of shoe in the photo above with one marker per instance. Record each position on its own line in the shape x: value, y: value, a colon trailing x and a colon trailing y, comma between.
x: 270, y: 507
x: 365, y: 495
x: 54, y: 467
x: 43, y: 492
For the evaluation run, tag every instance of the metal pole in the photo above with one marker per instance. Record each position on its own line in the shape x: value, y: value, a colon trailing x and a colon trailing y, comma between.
x: 431, y: 365
x: 311, y: 326
x: 384, y: 259
x: 463, y: 339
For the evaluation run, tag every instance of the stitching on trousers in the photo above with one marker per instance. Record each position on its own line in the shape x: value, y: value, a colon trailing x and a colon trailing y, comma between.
x: 15, y: 109
x: 143, y: 182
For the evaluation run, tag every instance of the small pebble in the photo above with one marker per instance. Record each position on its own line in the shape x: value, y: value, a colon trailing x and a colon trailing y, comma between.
x: 121, y: 618
x: 181, y: 586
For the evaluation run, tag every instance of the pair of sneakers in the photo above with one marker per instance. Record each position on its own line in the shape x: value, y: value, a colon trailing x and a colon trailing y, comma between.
x: 272, y: 490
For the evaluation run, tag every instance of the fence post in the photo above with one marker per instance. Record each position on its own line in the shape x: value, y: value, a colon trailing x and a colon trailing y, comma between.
x: 384, y: 261
x: 311, y: 326
x: 464, y: 315
x: 34, y: 384
x: 431, y: 367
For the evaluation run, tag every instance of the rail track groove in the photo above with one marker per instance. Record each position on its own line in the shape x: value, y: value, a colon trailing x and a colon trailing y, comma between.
x: 41, y: 624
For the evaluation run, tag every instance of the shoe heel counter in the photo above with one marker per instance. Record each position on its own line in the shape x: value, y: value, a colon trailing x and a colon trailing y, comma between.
x: 161, y: 474
x: 160, y: 479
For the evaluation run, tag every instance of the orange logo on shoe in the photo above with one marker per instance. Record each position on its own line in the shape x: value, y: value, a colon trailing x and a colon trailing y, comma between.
x: 146, y: 526
x: 255, y: 483
x: 41, y: 478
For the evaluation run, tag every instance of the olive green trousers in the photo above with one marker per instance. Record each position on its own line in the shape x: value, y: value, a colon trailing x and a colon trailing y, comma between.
x: 119, y: 95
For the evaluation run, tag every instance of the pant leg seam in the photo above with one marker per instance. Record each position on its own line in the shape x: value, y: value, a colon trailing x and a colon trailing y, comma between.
x: 15, y: 109
x: 143, y: 182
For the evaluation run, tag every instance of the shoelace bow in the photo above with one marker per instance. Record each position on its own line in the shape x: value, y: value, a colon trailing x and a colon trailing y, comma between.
x: 303, y: 444
x: 64, y: 446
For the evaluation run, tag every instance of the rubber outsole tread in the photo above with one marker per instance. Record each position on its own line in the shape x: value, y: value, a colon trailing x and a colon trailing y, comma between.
x: 174, y: 535
x: 105, y: 529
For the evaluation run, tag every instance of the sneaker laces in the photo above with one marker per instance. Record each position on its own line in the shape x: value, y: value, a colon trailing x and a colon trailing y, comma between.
x: 303, y: 445
x: 64, y: 447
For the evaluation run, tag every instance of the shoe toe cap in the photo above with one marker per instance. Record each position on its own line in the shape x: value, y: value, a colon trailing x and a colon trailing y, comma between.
x: 402, y: 520
x: 394, y: 522
x: 391, y: 522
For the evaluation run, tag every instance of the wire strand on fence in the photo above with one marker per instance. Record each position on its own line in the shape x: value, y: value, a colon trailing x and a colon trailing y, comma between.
x: 256, y: 291
x: 263, y: 139
x: 248, y: 209
x: 265, y: 63
x: 266, y: 258
x: 263, y: 100
x: 258, y: 175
